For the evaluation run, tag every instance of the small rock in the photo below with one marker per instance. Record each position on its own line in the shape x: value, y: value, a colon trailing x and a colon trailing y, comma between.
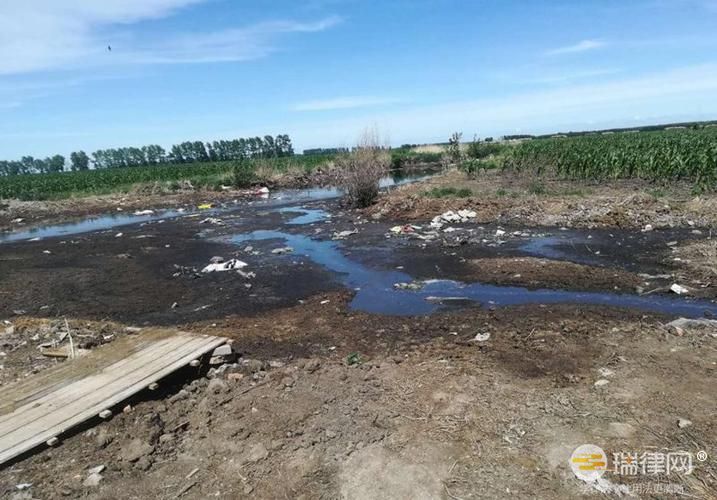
x: 179, y: 396
x: 287, y: 381
x: 135, y: 449
x: 248, y: 489
x: 166, y: 438
x: 217, y: 386
x: 312, y: 365
x: 330, y: 434
x: 235, y: 377
x: 257, y: 453
x: 97, y: 470
x: 601, y: 383
x: 103, y: 438
x: 92, y: 480
x: 683, y: 422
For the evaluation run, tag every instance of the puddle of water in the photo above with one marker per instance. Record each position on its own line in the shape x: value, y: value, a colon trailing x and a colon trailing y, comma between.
x: 100, y: 223
x: 549, y: 247
x: 110, y: 221
x: 308, y: 215
x: 375, y: 292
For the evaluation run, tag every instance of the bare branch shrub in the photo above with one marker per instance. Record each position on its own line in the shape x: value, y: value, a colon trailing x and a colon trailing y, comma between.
x: 359, y: 172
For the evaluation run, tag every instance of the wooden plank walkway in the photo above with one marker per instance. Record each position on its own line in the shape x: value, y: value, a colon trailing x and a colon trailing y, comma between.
x: 44, y: 406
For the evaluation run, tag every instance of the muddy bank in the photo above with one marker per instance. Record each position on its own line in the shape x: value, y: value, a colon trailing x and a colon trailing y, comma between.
x: 421, y: 409
x: 511, y: 198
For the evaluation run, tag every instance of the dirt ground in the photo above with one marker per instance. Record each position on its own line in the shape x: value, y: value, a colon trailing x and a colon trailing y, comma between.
x: 326, y: 401
x: 545, y: 201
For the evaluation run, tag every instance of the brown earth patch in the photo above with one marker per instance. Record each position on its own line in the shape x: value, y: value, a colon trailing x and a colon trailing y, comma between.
x: 533, y: 272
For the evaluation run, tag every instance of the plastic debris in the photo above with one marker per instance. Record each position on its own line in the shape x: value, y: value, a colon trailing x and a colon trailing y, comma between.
x: 408, y: 286
x: 450, y: 217
x: 679, y: 289
x: 407, y: 229
x: 205, y: 206
x: 481, y: 337
x: 344, y: 234
x: 232, y: 264
x: 212, y: 220
x: 262, y: 190
x: 647, y: 228
x: 683, y: 422
x: 282, y: 250
x: 144, y: 212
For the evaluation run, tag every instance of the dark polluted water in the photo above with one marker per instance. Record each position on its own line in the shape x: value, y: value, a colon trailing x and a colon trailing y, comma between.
x: 375, y: 291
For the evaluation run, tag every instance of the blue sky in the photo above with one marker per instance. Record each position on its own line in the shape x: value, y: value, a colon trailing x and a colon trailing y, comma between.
x: 323, y: 70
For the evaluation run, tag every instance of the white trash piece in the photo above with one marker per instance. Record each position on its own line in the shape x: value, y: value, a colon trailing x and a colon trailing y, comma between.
x: 144, y: 212
x: 481, y: 337
x: 679, y: 289
x: 225, y: 266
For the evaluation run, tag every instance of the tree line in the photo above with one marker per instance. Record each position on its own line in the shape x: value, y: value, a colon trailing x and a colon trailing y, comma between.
x: 153, y: 154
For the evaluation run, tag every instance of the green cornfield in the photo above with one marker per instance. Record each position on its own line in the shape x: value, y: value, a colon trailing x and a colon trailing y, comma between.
x: 689, y: 155
x: 62, y: 184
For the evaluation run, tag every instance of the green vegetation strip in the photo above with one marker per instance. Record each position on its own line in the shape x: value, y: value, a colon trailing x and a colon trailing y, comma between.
x: 689, y: 155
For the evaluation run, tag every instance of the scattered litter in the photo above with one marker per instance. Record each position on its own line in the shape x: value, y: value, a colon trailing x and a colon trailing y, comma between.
x: 679, y: 289
x: 344, y: 234
x: 144, y: 212
x: 680, y: 325
x: 282, y: 250
x: 229, y: 265
x: 407, y: 229
x: 46, y: 252
x: 647, y: 228
x: 450, y: 217
x: 414, y: 285
x: 262, y: 190
x: 605, y: 372
x: 23, y: 486
x: 324, y: 302
x: 481, y: 337
x: 119, y: 235
x: 499, y: 233
x: 212, y: 220
x: 205, y: 206
x: 601, y: 383
x: 683, y: 422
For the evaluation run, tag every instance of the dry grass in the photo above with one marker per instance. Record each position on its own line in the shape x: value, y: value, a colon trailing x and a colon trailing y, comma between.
x: 359, y: 172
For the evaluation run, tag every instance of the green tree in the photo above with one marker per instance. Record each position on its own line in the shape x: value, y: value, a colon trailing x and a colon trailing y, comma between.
x: 80, y: 161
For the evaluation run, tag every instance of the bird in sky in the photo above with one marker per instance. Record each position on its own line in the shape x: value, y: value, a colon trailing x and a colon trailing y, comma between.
x: 109, y: 48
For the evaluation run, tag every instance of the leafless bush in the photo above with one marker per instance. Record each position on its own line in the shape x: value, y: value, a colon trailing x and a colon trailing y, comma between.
x: 359, y: 172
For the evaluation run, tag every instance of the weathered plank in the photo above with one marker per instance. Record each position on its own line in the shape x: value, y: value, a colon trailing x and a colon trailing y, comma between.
x: 42, y: 407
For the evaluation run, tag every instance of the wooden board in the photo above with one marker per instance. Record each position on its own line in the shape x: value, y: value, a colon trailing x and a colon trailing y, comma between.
x: 46, y: 405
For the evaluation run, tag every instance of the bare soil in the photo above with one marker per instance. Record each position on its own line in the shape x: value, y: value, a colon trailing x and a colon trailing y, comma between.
x: 328, y: 402
x: 507, y: 198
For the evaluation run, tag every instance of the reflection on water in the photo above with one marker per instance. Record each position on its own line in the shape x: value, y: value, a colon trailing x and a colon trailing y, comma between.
x: 375, y: 292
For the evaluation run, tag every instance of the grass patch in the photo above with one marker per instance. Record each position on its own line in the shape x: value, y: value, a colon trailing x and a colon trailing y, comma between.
x: 449, y: 192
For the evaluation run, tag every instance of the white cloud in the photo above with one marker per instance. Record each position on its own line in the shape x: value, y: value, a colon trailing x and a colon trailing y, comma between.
x: 38, y: 35
x: 582, y: 46
x: 240, y: 44
x: 684, y: 93
x: 342, y: 103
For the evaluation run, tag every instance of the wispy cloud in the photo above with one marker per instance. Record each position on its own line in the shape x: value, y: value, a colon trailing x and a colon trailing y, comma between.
x: 682, y: 93
x: 342, y: 103
x: 38, y: 35
x: 582, y: 46
x: 240, y: 44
